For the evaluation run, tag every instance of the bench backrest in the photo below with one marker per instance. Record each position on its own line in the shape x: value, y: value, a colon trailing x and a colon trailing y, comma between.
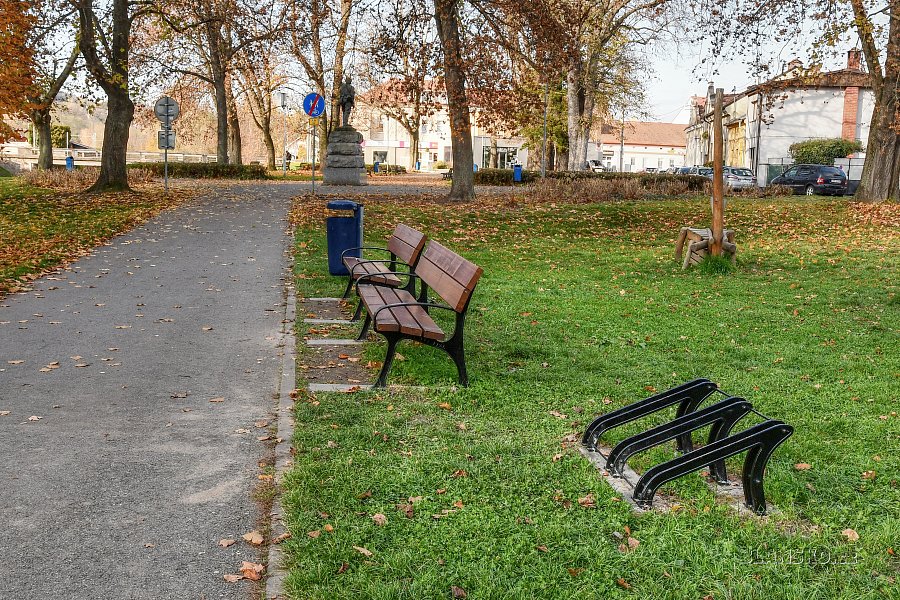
x: 451, y: 276
x: 406, y: 243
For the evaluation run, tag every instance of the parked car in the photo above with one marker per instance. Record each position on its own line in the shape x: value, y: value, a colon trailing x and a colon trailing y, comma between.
x: 683, y: 171
x: 813, y: 179
x: 596, y: 166
x: 738, y: 178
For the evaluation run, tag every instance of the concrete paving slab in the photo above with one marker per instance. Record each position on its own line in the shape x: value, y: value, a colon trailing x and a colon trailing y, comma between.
x: 128, y: 451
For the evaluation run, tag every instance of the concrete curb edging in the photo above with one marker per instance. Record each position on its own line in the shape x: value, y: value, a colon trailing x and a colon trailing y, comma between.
x: 283, y: 459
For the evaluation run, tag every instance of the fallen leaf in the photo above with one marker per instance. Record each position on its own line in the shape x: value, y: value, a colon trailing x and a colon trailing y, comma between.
x: 35, y: 418
x: 253, y: 538
x: 869, y: 474
x: 542, y: 548
x: 556, y: 457
x: 252, y: 571
x: 575, y: 572
x: 364, y: 551
x: 588, y: 501
x: 803, y: 466
x: 445, y: 406
x: 207, y: 328
x: 314, y: 534
x: 623, y: 584
x: 458, y: 504
x: 219, y: 399
x: 14, y: 362
x: 850, y: 534
x: 343, y: 356
x: 261, y: 424
x: 282, y: 537
x: 364, y: 495
x: 558, y: 414
x: 343, y: 568
x: 4, y: 413
x: 225, y: 542
x: 328, y: 528
x: 379, y: 519
x: 633, y: 543
x: 459, y: 473
x: 178, y: 395
x: 82, y: 365
x: 232, y: 577
x: 457, y: 591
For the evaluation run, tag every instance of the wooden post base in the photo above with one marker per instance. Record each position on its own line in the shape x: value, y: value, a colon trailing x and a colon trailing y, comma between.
x: 697, y: 241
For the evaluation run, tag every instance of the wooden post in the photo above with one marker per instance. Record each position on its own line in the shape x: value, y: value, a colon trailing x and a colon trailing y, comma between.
x: 718, y: 212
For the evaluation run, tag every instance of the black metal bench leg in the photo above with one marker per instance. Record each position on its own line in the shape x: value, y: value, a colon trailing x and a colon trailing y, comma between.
x: 459, y: 358
x: 349, y: 286
x: 365, y: 328
x: 388, y: 360
x: 358, y: 313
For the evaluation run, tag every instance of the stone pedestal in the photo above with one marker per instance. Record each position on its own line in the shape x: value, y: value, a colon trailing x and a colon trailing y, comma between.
x: 344, y: 162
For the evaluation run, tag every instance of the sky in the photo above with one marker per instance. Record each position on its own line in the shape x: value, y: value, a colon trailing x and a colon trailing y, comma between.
x: 679, y: 73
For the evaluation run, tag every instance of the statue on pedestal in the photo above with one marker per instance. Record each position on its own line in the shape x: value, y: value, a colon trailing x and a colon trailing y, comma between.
x: 347, y: 101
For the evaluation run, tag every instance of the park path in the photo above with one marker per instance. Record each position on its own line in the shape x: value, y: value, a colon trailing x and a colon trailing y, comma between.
x: 124, y: 486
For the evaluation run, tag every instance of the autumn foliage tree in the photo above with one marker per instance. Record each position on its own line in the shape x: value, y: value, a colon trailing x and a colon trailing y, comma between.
x: 16, y: 61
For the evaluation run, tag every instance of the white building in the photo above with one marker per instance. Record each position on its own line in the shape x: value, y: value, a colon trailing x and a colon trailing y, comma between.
x: 638, y: 146
x: 386, y: 141
x: 762, y: 122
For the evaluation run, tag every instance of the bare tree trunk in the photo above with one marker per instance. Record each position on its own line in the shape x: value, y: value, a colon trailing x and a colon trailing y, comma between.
x: 234, y: 126
x: 446, y: 17
x: 269, y: 142
x: 111, y: 73
x: 494, y: 159
x: 40, y: 118
x: 113, y: 171
x: 881, y: 173
x: 574, y: 96
x: 218, y: 76
x: 413, y: 147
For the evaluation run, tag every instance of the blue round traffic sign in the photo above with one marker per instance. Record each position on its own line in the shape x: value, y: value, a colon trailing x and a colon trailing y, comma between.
x: 314, y: 105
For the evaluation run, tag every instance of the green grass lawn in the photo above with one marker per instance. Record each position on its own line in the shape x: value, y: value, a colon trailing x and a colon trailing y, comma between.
x: 583, y: 309
x: 40, y: 228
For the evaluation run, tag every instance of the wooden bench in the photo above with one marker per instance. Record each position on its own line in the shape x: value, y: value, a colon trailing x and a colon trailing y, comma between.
x: 404, y: 247
x: 396, y: 313
x: 448, y: 174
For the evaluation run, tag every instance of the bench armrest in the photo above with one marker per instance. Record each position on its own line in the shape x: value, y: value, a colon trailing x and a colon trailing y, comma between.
x: 380, y: 260
x: 374, y: 275
x: 344, y: 253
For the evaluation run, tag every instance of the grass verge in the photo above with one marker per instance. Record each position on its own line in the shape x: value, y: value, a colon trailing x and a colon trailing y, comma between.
x: 421, y: 493
x: 41, y: 229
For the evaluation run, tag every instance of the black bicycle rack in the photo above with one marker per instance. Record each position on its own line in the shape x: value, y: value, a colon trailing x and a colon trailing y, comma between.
x: 758, y: 441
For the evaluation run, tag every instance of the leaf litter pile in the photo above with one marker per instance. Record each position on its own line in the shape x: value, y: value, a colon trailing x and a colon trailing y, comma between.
x: 481, y: 492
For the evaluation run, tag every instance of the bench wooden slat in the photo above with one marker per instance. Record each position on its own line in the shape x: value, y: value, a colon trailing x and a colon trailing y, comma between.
x: 407, y: 243
x: 450, y: 275
x: 413, y: 321
x: 371, y: 268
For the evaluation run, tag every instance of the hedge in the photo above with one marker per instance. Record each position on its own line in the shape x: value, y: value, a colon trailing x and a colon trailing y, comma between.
x: 204, y: 170
x: 695, y: 183
x: 823, y: 151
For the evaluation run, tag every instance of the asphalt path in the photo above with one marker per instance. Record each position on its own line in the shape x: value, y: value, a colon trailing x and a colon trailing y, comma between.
x: 134, y: 382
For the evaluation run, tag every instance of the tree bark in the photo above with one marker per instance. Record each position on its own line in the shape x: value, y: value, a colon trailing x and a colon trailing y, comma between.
x: 113, y: 171
x: 269, y: 142
x: 881, y: 173
x: 41, y: 119
x: 218, y: 74
x: 446, y: 17
x: 234, y: 126
x: 495, y: 160
x: 111, y: 73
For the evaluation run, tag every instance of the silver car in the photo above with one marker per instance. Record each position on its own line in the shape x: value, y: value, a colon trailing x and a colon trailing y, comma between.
x: 738, y: 178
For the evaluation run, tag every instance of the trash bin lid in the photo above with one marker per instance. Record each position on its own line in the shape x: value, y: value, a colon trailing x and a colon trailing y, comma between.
x: 343, y: 205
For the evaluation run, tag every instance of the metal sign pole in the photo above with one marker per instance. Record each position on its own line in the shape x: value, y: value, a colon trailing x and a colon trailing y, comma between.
x: 314, y: 161
x: 166, y: 162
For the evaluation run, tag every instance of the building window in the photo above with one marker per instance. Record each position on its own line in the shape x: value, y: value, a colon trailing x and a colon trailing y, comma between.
x: 379, y: 156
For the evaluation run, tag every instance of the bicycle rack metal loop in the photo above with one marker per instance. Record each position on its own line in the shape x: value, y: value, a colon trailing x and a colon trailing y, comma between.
x: 758, y: 441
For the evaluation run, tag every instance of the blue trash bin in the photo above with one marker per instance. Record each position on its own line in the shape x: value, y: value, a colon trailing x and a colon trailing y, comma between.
x: 418, y: 165
x: 475, y: 167
x: 70, y: 163
x: 517, y: 173
x: 343, y: 232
